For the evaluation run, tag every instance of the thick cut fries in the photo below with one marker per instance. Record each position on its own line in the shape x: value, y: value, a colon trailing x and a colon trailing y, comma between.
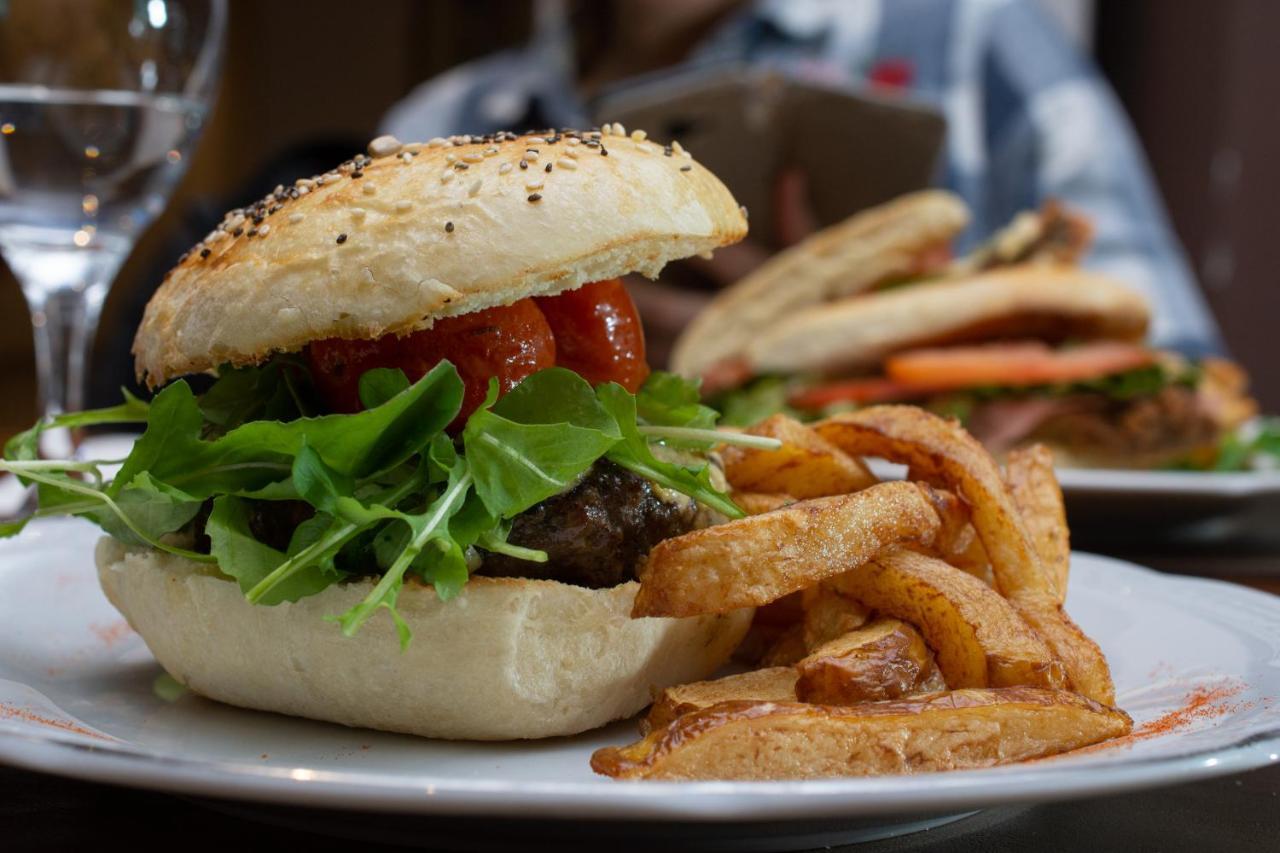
x: 806, y: 466
x: 945, y: 731
x: 757, y: 503
x: 787, y: 648
x: 943, y: 450
x: 752, y: 561
x: 936, y: 447
x: 1036, y: 493
x: 887, y: 659
x: 828, y: 614
x: 979, y: 639
x: 773, y: 684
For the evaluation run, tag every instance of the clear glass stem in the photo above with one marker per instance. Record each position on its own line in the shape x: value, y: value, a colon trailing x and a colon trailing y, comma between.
x: 64, y: 320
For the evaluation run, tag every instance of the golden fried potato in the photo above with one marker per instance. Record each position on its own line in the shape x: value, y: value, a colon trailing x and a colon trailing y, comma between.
x: 1085, y: 665
x: 979, y: 638
x: 774, y: 684
x: 943, y: 450
x: 757, y: 503
x: 1035, y: 490
x: 828, y: 614
x: 787, y: 648
x: 752, y: 561
x: 887, y: 659
x: 784, y: 740
x: 805, y: 466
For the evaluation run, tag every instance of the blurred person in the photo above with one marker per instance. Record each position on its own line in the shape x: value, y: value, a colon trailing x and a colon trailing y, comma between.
x: 1029, y: 118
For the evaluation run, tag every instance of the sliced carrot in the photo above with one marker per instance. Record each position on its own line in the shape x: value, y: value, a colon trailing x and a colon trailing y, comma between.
x: 1013, y: 364
x: 861, y: 391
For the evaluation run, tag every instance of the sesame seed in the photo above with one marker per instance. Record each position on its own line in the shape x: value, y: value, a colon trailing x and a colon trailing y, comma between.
x: 534, y: 183
x: 438, y: 142
x: 295, y: 218
x: 535, y: 197
x: 412, y: 147
x: 604, y: 152
x: 489, y: 152
x: 474, y: 189
x: 450, y: 157
x: 303, y: 190
x: 446, y: 177
x: 686, y: 168
x: 253, y: 232
x: 548, y: 169
x: 237, y: 232
x: 461, y: 167
x: 643, y: 147
x: 403, y: 206
x: 358, y: 213
x: 384, y: 146
x: 571, y: 153
x: 448, y: 227
x: 342, y: 238
x: 369, y: 189
x: 566, y: 163
x: 676, y: 146
x: 357, y: 174
x: 573, y: 140
x: 264, y: 230
x: 504, y: 168
x: 618, y: 129
x: 531, y: 154
x: 638, y: 135
x: 473, y: 158
x: 524, y: 164
x: 204, y: 253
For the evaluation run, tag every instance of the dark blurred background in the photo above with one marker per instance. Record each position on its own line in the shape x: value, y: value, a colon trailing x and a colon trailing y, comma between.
x: 1200, y: 81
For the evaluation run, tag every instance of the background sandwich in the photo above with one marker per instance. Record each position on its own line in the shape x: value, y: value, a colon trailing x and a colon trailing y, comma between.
x: 1014, y: 340
x: 431, y: 399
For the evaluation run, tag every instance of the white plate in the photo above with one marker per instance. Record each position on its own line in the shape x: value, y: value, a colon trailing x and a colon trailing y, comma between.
x: 76, y: 698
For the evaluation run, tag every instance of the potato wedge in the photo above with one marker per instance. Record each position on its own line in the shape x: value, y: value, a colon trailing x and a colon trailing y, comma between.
x: 887, y: 659
x: 978, y: 637
x: 757, y: 503
x: 783, y: 740
x: 939, y: 448
x: 1035, y: 490
x: 774, y: 684
x: 828, y: 614
x: 1087, y: 670
x: 806, y: 466
x: 752, y: 561
x: 787, y: 648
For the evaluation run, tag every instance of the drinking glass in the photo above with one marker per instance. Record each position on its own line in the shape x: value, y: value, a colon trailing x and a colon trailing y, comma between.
x: 101, y: 102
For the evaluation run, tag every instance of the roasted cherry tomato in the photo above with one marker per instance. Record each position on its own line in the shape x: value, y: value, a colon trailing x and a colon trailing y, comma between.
x: 598, y: 333
x: 507, y: 343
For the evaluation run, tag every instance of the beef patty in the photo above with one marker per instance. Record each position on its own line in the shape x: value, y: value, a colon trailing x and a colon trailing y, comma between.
x: 597, y: 533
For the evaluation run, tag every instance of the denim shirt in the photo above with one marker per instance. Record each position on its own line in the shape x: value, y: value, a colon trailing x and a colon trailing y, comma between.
x: 1028, y: 117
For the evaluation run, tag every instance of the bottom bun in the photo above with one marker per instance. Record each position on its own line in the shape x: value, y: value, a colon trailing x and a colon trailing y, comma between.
x: 507, y: 658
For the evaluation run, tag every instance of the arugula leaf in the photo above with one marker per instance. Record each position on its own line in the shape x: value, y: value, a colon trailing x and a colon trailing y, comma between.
x: 518, y: 463
x: 152, y: 506
x: 634, y: 454
x: 667, y: 399
x: 447, y: 571
x: 248, y: 561
x: 26, y: 445
x: 379, y: 385
x: 259, y: 453
x: 755, y: 401
x: 279, y: 390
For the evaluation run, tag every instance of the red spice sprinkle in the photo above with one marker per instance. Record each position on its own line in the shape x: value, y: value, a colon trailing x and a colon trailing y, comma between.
x: 1201, y: 703
x: 8, y: 711
x: 113, y: 633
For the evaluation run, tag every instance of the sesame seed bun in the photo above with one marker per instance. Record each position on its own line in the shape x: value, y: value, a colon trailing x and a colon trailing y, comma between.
x: 844, y: 260
x: 1049, y: 303
x: 507, y: 658
x: 391, y: 242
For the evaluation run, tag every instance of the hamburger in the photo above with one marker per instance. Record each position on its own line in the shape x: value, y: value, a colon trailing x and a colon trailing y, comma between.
x: 406, y: 457
x: 1015, y: 340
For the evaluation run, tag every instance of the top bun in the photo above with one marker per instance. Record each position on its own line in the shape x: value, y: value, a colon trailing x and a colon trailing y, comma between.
x: 876, y: 245
x: 392, y: 241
